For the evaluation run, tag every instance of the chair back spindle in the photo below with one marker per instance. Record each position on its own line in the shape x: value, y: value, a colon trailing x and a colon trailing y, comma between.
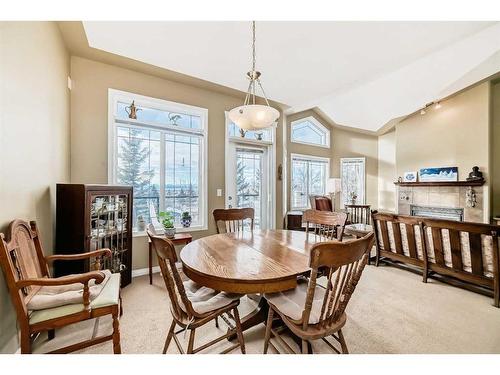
x: 358, y: 213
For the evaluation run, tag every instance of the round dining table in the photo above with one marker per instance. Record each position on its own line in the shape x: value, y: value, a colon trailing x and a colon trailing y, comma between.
x: 249, y: 262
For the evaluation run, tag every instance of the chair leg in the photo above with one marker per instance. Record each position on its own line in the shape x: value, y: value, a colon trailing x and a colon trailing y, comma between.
x: 169, y: 336
x: 269, y: 326
x: 216, y: 322
x: 116, y: 334
x: 51, y: 334
x: 25, y: 343
x: 191, y: 342
x: 121, y: 305
x: 239, y: 331
x: 342, y: 342
x: 305, y: 347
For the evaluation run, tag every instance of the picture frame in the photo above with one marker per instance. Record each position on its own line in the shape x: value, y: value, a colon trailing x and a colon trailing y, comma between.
x: 438, y: 174
x: 410, y: 177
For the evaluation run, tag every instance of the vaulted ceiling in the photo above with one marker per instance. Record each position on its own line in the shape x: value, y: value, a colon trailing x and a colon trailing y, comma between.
x: 359, y: 74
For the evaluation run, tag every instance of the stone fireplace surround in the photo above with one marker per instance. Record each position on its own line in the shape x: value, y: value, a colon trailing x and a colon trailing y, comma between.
x: 441, y: 196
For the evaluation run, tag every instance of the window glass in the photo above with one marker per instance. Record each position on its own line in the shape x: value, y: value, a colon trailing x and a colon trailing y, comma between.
x: 310, y: 131
x: 308, y: 178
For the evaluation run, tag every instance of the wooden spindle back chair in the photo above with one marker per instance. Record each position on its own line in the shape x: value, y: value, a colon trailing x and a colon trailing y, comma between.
x: 326, y: 225
x: 26, y: 270
x: 358, y: 213
x: 326, y: 316
x: 181, y: 307
x: 233, y: 219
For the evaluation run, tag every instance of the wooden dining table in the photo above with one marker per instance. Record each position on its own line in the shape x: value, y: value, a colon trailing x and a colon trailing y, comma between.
x: 249, y: 262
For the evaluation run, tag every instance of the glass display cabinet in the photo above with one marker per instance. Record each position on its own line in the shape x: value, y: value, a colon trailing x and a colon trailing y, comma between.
x: 92, y: 217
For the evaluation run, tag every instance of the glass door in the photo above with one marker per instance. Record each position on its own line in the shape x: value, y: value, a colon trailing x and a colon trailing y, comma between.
x: 247, y: 175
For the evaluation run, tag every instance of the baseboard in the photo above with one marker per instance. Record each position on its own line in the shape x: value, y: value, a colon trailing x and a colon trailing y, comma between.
x: 144, y: 271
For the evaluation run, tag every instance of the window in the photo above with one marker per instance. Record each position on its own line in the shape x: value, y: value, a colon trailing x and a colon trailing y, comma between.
x: 162, y: 154
x: 352, y: 174
x: 309, y: 176
x: 309, y: 131
x: 260, y: 135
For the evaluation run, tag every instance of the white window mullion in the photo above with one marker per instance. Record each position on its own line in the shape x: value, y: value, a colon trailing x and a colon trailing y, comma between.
x: 163, y: 157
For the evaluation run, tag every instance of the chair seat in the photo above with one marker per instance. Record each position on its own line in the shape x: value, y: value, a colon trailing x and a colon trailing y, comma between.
x: 205, y: 299
x: 108, y: 296
x: 291, y: 303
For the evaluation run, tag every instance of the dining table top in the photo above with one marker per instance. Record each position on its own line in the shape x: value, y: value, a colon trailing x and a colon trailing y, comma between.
x: 261, y: 261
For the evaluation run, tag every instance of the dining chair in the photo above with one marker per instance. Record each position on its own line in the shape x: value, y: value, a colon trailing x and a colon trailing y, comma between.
x: 44, y: 303
x: 233, y: 219
x: 321, y: 203
x: 193, y: 305
x: 358, y: 213
x: 311, y: 312
x: 326, y: 225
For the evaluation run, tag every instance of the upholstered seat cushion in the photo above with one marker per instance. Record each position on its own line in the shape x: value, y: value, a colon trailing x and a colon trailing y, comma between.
x: 59, y: 295
x: 205, y: 299
x: 108, y: 296
x: 292, y: 302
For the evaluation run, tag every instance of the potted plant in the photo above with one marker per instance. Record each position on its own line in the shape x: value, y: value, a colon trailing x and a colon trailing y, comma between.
x: 167, y: 220
x: 186, y: 219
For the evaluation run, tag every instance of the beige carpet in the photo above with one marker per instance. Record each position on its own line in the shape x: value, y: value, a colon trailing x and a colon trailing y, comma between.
x: 391, y: 311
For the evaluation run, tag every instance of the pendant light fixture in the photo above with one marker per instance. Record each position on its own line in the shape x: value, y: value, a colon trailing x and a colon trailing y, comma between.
x: 252, y: 116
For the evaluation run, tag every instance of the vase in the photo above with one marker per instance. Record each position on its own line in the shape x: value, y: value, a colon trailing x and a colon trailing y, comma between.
x: 169, y: 232
x: 186, y: 221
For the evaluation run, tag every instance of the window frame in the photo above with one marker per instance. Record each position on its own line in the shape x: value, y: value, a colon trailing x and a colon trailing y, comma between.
x: 316, y: 123
x: 307, y: 158
x: 115, y: 96
x: 362, y: 161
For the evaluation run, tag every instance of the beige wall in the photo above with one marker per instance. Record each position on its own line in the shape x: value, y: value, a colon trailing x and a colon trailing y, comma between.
x: 495, y: 149
x: 343, y: 144
x: 89, y: 129
x: 455, y: 135
x: 34, y: 136
x: 387, y: 171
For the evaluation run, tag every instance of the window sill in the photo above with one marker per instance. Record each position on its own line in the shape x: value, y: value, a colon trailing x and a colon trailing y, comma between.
x: 177, y: 230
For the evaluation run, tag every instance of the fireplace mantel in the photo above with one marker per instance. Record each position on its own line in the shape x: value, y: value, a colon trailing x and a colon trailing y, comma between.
x: 442, y: 183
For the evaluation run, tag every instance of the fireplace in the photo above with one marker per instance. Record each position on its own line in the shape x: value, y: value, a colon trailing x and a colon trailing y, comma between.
x: 456, y: 214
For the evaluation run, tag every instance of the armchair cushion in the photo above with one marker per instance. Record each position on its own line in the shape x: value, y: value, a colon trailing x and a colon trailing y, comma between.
x: 108, y: 296
x: 54, y: 296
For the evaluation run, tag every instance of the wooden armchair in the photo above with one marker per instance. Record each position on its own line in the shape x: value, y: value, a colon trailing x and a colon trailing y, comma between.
x: 321, y: 203
x: 26, y: 271
x: 193, y: 305
x: 311, y: 312
x: 233, y: 219
x: 358, y: 213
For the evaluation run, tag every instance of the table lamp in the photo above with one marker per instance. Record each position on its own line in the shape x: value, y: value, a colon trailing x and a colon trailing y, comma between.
x: 333, y: 186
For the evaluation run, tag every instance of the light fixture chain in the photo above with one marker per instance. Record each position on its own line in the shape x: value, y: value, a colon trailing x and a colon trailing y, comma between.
x: 253, y: 46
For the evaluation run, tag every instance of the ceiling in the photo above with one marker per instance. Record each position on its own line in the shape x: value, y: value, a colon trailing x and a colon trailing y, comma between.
x: 358, y: 74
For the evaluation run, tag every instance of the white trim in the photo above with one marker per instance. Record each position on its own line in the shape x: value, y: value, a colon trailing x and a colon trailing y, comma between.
x: 115, y: 96
x: 307, y: 158
x: 316, y: 123
x: 144, y: 271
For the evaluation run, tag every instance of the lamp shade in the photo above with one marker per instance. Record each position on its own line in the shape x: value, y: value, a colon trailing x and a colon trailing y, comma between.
x: 333, y: 185
x: 253, y: 116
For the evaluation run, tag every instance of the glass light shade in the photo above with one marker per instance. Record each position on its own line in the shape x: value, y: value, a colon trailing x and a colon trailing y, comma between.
x: 333, y: 185
x: 253, y: 116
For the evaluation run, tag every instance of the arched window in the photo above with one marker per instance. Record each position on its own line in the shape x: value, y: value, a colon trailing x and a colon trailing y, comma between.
x: 310, y: 132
